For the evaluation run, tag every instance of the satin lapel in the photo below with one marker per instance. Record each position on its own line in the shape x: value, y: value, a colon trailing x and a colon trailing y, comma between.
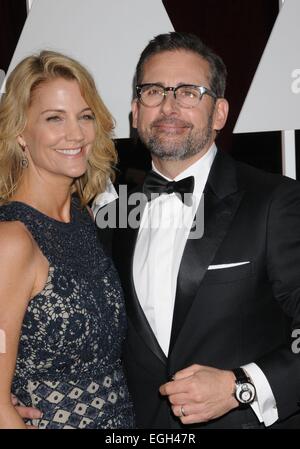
x: 123, y: 251
x: 220, y: 205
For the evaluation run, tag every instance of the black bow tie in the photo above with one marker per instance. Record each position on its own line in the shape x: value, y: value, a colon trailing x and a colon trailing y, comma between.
x: 156, y: 184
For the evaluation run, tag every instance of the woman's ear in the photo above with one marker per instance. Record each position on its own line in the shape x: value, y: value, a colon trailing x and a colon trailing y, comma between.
x: 21, y: 141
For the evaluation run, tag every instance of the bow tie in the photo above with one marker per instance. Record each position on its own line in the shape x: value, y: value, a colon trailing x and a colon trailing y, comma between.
x: 156, y: 184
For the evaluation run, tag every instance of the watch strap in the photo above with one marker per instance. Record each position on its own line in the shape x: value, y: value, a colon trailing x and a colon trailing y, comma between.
x: 241, y: 378
x: 240, y: 375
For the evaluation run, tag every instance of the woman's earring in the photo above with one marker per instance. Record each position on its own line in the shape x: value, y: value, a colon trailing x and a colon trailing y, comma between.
x: 24, y: 161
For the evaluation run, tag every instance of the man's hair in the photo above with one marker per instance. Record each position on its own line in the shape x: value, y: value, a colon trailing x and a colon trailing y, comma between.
x: 22, y: 85
x: 175, y: 41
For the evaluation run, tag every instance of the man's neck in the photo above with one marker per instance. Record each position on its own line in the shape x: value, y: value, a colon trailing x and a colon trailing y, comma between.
x: 173, y: 168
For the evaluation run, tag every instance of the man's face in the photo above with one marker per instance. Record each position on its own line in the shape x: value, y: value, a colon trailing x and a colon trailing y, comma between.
x: 170, y: 131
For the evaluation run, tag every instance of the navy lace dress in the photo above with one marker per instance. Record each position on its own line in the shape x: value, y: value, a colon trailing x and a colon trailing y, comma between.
x: 68, y: 363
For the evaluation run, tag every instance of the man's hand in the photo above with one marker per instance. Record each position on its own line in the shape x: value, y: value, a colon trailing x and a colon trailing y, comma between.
x: 26, y: 412
x: 200, y: 393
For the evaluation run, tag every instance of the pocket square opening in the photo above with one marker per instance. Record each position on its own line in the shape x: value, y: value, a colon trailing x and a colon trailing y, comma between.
x: 227, y: 265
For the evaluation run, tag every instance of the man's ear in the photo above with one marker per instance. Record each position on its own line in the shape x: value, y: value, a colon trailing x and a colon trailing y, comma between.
x: 220, y: 114
x: 135, y: 112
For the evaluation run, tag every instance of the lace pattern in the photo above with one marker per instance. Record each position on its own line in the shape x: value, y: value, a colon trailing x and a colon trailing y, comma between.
x: 73, y: 329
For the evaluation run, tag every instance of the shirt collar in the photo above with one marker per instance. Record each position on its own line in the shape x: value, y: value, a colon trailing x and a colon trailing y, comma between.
x: 199, y: 169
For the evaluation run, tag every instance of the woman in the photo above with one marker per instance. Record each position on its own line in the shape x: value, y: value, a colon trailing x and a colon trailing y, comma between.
x: 61, y: 308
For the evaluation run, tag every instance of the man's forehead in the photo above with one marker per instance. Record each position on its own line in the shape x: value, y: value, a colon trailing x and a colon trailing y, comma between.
x: 176, y: 63
x: 176, y: 54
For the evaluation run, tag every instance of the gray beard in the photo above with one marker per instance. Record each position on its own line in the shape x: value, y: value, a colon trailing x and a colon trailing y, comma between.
x: 178, y: 151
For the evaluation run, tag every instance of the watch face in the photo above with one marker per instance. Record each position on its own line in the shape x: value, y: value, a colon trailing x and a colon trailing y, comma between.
x: 245, y: 393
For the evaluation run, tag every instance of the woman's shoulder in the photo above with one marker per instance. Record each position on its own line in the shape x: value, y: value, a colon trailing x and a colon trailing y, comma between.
x: 15, y: 240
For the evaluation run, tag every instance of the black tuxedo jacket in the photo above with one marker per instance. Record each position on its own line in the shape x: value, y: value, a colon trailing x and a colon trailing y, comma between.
x: 227, y: 317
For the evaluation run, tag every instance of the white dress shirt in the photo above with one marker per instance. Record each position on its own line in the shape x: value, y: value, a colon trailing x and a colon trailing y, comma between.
x: 164, y: 229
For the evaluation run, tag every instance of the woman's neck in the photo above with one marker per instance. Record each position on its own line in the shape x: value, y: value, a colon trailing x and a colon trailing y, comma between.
x: 54, y: 202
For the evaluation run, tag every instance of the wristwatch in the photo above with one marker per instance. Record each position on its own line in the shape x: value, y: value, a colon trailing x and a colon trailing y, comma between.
x: 244, y: 389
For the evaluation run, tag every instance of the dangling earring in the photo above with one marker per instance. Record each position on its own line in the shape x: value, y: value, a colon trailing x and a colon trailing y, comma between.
x: 24, y: 161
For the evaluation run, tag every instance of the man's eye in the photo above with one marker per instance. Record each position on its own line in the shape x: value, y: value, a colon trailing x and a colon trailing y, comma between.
x: 153, y: 91
x: 188, y: 93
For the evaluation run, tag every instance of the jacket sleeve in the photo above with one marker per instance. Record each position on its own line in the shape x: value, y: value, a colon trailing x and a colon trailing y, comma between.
x: 282, y: 366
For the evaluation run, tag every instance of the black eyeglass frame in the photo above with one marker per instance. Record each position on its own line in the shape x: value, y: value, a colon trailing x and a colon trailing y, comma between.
x: 202, y: 89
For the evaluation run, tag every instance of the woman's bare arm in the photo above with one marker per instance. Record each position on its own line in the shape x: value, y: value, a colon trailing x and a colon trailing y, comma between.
x: 17, y: 281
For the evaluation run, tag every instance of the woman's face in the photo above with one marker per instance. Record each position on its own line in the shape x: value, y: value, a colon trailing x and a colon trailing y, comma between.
x: 59, y: 132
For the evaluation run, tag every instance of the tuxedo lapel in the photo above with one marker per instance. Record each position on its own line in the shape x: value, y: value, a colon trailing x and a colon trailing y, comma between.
x: 221, y: 200
x: 123, y: 252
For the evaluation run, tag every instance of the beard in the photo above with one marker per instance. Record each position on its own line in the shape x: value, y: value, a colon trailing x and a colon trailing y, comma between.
x: 180, y: 148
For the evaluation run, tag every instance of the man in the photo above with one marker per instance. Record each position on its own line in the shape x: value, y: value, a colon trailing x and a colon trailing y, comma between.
x: 200, y: 307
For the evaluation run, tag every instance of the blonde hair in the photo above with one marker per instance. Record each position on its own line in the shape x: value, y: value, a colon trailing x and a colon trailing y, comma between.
x: 22, y: 82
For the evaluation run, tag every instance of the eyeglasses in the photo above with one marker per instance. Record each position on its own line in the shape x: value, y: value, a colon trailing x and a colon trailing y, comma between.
x: 186, y: 95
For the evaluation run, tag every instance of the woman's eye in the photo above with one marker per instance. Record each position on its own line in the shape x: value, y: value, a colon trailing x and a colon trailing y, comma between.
x: 53, y: 118
x: 88, y: 117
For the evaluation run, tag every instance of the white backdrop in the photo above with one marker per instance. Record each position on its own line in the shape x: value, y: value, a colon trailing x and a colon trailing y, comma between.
x: 273, y: 100
x: 106, y: 36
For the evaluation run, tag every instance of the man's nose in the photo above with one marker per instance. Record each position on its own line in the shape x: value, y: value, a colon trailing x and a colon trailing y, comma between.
x: 169, y: 104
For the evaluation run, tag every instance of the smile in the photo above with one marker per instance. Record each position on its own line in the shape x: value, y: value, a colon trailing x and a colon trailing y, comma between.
x: 170, y: 129
x: 70, y: 152
x: 171, y: 126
